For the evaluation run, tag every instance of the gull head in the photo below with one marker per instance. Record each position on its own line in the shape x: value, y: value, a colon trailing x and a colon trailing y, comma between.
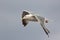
x: 46, y: 20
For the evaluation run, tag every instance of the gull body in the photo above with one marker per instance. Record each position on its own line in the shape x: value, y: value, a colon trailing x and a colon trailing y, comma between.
x: 27, y: 16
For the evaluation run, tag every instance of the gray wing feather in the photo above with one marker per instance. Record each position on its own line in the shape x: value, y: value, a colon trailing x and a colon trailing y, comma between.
x: 41, y: 19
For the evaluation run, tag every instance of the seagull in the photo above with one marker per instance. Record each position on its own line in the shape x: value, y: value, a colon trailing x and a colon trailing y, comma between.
x: 28, y: 16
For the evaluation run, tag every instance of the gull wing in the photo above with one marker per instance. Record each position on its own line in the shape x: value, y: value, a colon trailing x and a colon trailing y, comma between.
x: 41, y: 20
x: 24, y: 22
x: 24, y: 13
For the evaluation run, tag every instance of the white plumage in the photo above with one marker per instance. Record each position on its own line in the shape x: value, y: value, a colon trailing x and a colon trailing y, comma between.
x: 27, y: 16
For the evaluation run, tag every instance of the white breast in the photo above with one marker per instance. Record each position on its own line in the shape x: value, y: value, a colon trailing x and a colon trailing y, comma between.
x: 27, y: 16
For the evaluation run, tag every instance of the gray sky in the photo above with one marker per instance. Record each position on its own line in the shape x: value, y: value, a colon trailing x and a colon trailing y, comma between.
x: 11, y: 27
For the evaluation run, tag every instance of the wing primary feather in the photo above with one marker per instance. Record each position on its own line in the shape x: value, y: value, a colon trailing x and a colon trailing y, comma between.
x: 24, y: 22
x: 24, y: 13
x: 46, y: 30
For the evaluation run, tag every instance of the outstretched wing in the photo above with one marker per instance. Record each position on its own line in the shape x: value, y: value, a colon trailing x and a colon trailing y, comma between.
x: 24, y: 22
x: 24, y: 13
x: 41, y: 20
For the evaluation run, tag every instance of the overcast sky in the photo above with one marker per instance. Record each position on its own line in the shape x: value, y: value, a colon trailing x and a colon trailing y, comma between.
x: 11, y: 27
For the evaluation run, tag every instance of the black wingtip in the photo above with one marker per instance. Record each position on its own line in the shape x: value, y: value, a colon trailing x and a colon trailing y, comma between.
x: 24, y: 22
x: 24, y: 13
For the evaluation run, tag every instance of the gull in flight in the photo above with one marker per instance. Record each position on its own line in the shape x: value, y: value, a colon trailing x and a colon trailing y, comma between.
x: 27, y: 16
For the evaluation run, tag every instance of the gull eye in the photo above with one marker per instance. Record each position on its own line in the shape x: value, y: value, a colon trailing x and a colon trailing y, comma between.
x: 46, y: 21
